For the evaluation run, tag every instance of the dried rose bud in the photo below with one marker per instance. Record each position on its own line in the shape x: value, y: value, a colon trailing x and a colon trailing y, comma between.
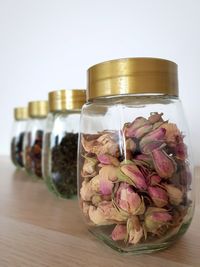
x: 154, y: 179
x: 119, y: 232
x: 158, y: 195
x: 108, y: 160
x: 140, y: 132
x: 172, y: 133
x: 128, y: 200
x: 164, y: 165
x: 180, y: 151
x: 95, y: 184
x: 130, y: 145
x: 86, y: 191
x: 110, y: 172
x: 174, y: 193
x: 89, y: 167
x: 144, y: 157
x: 135, y: 230
x: 107, y: 145
x: 105, y: 214
x: 155, y: 218
x: 155, y: 117
x: 139, y: 127
x: 132, y: 172
x: 105, y: 186
x: 96, y: 199
x: 104, y: 144
x: 152, y: 140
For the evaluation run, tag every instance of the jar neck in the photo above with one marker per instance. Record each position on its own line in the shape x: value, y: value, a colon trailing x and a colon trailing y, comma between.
x: 125, y: 97
x: 66, y: 112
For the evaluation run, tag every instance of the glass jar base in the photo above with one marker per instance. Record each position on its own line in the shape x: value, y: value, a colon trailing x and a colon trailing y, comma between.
x: 144, y: 248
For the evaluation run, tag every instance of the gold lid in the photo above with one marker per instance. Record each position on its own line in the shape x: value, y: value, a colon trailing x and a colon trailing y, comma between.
x: 133, y: 76
x: 21, y: 113
x: 63, y: 100
x: 38, y: 109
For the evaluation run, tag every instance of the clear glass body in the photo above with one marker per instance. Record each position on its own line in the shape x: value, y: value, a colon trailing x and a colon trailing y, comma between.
x: 60, y: 153
x: 17, y: 139
x: 32, y: 147
x: 135, y: 171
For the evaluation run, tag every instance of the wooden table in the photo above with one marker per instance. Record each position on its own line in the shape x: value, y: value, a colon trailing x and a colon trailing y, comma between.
x: 37, y: 230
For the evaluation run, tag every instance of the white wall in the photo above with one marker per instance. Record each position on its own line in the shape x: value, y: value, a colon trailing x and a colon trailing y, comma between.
x: 49, y: 44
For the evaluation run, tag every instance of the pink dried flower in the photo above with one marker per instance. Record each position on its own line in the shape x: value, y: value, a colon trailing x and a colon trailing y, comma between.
x: 172, y: 133
x: 108, y: 160
x: 128, y: 200
x: 86, y: 191
x: 139, y: 127
x: 155, y: 218
x: 104, y: 144
x: 89, y: 167
x: 133, y: 173
x: 144, y: 157
x: 155, y: 117
x: 135, y: 230
x: 152, y: 140
x: 154, y: 179
x: 119, y: 232
x: 110, y: 172
x: 164, y: 165
x: 158, y: 195
x: 130, y: 145
x: 105, y: 214
x: 174, y: 193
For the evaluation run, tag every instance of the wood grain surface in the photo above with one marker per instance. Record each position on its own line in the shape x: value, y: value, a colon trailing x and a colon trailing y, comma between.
x: 39, y: 230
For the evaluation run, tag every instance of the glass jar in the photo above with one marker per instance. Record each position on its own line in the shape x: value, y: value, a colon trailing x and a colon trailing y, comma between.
x: 135, y: 167
x: 33, y: 142
x: 18, y: 133
x: 60, y: 142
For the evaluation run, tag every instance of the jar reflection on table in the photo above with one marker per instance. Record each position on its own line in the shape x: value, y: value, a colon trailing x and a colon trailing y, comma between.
x: 135, y: 167
x: 34, y: 137
x: 60, y: 142
x: 18, y: 133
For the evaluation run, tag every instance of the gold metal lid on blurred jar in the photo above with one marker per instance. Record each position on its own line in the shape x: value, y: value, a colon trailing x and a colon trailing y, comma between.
x: 133, y: 76
x: 62, y: 100
x: 38, y: 109
x: 21, y: 113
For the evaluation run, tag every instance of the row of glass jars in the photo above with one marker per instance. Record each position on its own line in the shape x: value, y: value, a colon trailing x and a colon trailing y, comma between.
x: 134, y: 160
x: 45, y: 137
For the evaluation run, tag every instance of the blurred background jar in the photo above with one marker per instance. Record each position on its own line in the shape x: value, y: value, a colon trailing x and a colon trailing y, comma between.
x: 60, y: 142
x: 18, y: 133
x: 33, y: 142
x: 135, y: 165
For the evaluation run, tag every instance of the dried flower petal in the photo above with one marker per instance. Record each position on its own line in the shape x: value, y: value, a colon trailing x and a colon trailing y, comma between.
x: 128, y: 200
x: 130, y: 145
x: 104, y: 144
x: 108, y: 160
x: 89, y: 167
x: 155, y: 218
x: 164, y: 165
x: 135, y: 230
x: 132, y: 171
x: 155, y: 117
x: 105, y: 214
x: 174, y: 193
x: 119, y: 232
x: 152, y: 140
x: 158, y: 195
x: 172, y: 132
x: 110, y: 172
x: 86, y: 191
x: 154, y: 179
